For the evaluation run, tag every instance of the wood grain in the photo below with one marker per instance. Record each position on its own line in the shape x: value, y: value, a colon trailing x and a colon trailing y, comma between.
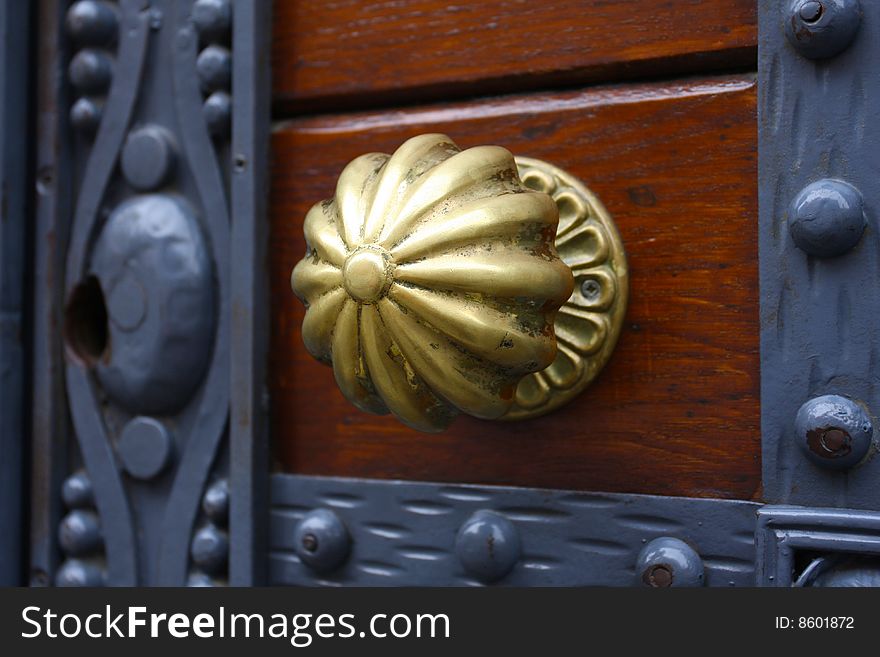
x: 340, y: 53
x: 676, y: 411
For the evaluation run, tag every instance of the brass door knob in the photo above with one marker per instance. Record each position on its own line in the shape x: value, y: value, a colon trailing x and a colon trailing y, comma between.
x: 432, y: 282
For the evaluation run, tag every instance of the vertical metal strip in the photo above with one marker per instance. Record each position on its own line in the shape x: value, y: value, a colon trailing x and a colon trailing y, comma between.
x: 820, y: 327
x: 249, y: 462
x: 52, y: 166
x: 15, y: 30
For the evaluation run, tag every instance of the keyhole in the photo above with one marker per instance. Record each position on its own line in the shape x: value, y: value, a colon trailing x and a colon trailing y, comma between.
x: 85, y: 322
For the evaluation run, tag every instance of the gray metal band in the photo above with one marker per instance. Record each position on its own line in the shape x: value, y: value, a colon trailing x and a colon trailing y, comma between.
x: 820, y: 333
x: 404, y: 533
x: 248, y: 427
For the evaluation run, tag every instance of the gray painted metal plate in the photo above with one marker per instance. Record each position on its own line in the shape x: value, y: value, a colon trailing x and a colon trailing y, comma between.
x: 404, y: 533
x: 819, y: 118
x: 786, y: 534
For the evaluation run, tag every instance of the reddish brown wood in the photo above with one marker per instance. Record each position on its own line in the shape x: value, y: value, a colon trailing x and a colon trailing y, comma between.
x: 327, y: 51
x: 676, y: 411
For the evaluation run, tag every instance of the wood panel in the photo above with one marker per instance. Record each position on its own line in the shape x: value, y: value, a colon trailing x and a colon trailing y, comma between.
x: 676, y: 410
x: 368, y: 51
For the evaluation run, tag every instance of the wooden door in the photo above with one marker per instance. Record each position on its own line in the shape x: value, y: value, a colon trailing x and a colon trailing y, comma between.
x: 654, y: 107
x: 178, y: 430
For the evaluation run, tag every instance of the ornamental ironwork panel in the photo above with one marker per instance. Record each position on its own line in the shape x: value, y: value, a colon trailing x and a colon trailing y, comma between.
x: 151, y: 175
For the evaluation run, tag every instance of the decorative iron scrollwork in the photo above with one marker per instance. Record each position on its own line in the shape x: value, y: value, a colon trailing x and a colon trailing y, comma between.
x: 148, y: 287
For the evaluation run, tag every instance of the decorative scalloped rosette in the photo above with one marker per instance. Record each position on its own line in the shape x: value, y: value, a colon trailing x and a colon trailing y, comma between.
x: 432, y: 282
x: 589, y: 323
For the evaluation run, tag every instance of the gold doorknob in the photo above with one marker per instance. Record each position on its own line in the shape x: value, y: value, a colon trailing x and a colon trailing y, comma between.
x: 432, y: 282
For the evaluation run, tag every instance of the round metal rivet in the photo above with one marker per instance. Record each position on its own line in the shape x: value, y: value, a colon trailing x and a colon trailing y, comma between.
x: 819, y: 29
x: 214, y: 67
x: 212, y: 19
x: 85, y: 115
x: 79, y: 533
x: 91, y: 71
x: 79, y: 573
x: 487, y: 546
x: 217, y: 111
x: 92, y: 23
x: 127, y: 303
x: 148, y: 157
x: 145, y: 447
x: 827, y: 218
x: 77, y: 491
x: 215, y: 502
x: 667, y: 562
x: 210, y: 549
x: 834, y: 432
x: 322, y: 541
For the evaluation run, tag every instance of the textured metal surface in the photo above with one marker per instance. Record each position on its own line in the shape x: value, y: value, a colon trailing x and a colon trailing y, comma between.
x: 15, y: 32
x: 820, y: 332
x: 146, y: 288
x: 786, y: 534
x: 404, y: 533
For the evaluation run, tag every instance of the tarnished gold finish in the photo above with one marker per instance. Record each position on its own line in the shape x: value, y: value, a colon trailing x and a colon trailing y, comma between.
x: 588, y: 324
x: 432, y: 283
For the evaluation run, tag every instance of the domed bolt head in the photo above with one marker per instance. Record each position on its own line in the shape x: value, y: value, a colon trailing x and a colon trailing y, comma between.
x: 827, y: 218
x: 215, y: 502
x: 77, y: 491
x: 210, y: 549
x: 322, y: 541
x: 667, y: 562
x: 819, y: 29
x: 214, y: 68
x: 217, y: 111
x: 488, y: 546
x: 85, y: 115
x: 79, y: 533
x: 145, y: 447
x: 212, y: 19
x: 148, y: 157
x: 75, y: 572
x: 92, y: 23
x: 91, y: 71
x: 833, y: 431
